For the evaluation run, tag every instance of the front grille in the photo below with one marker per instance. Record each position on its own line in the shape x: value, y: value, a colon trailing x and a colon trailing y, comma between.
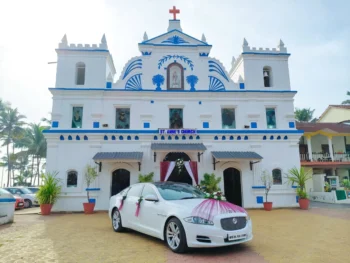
x: 228, y: 223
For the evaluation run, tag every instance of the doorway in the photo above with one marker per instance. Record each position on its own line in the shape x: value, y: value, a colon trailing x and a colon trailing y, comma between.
x: 179, y: 176
x: 120, y: 181
x: 232, y: 186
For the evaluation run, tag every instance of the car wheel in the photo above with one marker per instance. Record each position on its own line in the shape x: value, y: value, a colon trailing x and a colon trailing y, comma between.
x: 175, y: 236
x: 27, y: 203
x: 117, y: 221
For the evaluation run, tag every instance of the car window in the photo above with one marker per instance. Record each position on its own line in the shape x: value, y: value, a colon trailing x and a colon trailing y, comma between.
x: 124, y: 191
x: 179, y: 191
x: 3, y: 191
x: 148, y: 190
x: 12, y: 191
x: 135, y: 190
x: 25, y: 191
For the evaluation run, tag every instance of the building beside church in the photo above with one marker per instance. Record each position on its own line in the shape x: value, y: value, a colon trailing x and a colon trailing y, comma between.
x: 173, y: 102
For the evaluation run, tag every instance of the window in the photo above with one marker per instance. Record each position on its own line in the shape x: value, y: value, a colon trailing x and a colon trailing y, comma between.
x: 271, y: 118
x: 122, y: 118
x: 175, y: 77
x: 178, y: 191
x: 80, y: 73
x: 175, y: 118
x: 148, y: 190
x: 72, y: 179
x: 267, y: 77
x: 277, y: 176
x: 228, y: 119
x: 77, y: 119
x: 136, y: 190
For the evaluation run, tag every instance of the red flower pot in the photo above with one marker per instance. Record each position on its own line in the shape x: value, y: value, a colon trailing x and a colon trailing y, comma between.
x: 45, y: 209
x: 304, y: 203
x: 89, y: 208
x: 268, y: 206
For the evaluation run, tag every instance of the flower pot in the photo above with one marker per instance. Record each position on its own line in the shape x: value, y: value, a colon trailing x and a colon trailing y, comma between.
x: 89, y: 208
x: 45, y: 209
x: 304, y: 203
x: 268, y: 206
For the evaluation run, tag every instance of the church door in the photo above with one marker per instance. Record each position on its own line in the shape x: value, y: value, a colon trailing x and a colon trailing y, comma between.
x: 232, y: 186
x: 179, y: 175
x: 120, y: 181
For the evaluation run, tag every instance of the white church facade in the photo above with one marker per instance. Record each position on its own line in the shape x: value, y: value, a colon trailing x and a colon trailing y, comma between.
x: 172, y: 102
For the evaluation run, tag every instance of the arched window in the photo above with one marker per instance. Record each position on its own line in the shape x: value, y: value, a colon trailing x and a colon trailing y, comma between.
x: 72, y: 179
x: 175, y: 77
x: 267, y: 73
x: 277, y: 176
x: 80, y: 73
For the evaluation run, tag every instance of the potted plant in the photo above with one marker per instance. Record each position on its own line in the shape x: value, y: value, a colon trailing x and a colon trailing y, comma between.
x: 346, y: 184
x: 267, y: 180
x: 48, y: 192
x: 146, y: 178
x: 210, y: 183
x: 90, y: 176
x: 299, y: 177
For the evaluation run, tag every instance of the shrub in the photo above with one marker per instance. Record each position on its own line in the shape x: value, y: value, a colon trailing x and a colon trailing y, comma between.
x: 90, y: 176
x: 210, y: 183
x: 146, y: 177
x: 50, y: 189
x: 299, y: 177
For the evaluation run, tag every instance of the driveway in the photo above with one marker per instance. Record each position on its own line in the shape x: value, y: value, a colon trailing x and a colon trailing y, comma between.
x: 282, y: 235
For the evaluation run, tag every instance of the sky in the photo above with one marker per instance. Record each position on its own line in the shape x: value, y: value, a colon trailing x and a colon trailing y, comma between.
x: 315, y: 32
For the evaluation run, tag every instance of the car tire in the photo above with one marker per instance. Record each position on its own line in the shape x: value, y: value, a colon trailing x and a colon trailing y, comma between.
x: 117, y: 221
x: 175, y: 236
x: 27, y: 203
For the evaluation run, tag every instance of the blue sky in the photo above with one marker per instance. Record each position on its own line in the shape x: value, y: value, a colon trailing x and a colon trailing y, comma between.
x: 316, y: 33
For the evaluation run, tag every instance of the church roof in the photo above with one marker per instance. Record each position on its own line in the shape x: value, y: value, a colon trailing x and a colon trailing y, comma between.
x: 236, y: 155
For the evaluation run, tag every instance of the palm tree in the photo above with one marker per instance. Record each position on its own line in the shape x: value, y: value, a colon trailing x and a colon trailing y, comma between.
x: 304, y: 115
x: 346, y: 101
x: 11, y: 127
x: 10, y: 163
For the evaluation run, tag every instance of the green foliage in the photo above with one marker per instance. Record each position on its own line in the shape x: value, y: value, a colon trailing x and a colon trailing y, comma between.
x: 346, y: 101
x: 327, y: 187
x: 303, y: 115
x: 50, y: 189
x: 210, y: 183
x: 146, y: 178
x: 267, y: 181
x: 299, y: 177
x: 346, y: 184
x: 90, y: 176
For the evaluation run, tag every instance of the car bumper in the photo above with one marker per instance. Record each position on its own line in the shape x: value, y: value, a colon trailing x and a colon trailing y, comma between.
x: 215, y: 236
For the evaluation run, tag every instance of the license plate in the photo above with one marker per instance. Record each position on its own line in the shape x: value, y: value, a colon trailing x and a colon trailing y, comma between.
x: 235, y: 237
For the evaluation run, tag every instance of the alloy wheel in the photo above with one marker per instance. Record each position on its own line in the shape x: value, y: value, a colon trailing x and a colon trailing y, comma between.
x: 173, y: 235
x: 116, y: 219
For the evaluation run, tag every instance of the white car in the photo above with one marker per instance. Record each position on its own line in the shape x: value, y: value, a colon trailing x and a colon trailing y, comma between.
x: 166, y: 212
x: 27, y: 195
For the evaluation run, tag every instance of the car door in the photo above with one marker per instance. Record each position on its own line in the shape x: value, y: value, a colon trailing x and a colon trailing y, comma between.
x: 152, y: 215
x: 129, y: 208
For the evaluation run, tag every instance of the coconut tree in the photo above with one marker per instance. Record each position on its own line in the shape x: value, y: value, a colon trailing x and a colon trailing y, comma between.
x: 10, y: 163
x: 11, y: 127
x: 304, y: 115
x: 346, y: 101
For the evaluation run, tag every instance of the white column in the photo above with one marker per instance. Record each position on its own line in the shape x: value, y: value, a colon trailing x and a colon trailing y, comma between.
x: 330, y: 146
x: 309, y: 148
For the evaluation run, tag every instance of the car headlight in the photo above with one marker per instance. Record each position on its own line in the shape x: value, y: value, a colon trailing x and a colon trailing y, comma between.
x: 247, y: 217
x: 198, y: 220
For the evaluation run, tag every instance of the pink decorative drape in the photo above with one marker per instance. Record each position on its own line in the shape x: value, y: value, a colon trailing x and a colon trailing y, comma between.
x: 166, y: 168
x: 170, y: 170
x: 194, y: 169
x: 163, y: 170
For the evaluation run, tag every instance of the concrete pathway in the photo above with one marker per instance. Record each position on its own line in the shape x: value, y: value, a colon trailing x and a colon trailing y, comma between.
x: 28, y: 211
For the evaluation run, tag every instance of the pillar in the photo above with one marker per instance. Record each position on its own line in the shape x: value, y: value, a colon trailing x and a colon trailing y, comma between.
x: 309, y: 148
x: 330, y: 146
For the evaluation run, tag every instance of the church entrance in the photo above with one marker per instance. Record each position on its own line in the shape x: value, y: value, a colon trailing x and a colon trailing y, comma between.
x: 120, y: 181
x: 232, y: 186
x: 178, y: 175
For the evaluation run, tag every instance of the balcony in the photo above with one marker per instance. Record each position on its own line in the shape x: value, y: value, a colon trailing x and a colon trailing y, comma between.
x: 325, y: 159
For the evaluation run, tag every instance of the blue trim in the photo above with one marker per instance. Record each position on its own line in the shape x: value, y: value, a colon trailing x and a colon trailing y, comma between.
x: 258, y: 187
x: 134, y: 82
x: 113, y: 138
x: 181, y: 57
x: 146, y: 125
x: 152, y: 101
x: 85, y: 50
x: 70, y: 137
x: 152, y: 90
x: 273, y: 54
x: 253, y: 125
x: 7, y: 200
x: 203, y: 54
x: 297, y: 199
x: 133, y: 65
x: 216, y: 138
x: 199, y: 102
x: 128, y: 138
x: 105, y: 138
x: 171, y: 45
x: 216, y: 84
x: 176, y: 40
x: 215, y: 67
x: 291, y: 124
x: 171, y: 31
x: 108, y: 85
x: 295, y: 186
x: 92, y: 200
x: 225, y: 131
x: 206, y: 125
x: 86, y: 138
x: 241, y: 86
x: 223, y: 138
x: 92, y: 189
x: 77, y: 138
x: 54, y: 124
x: 259, y: 199
x: 146, y: 53
x: 96, y: 125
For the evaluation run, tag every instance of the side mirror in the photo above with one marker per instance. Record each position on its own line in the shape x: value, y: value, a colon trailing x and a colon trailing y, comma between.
x: 151, y: 198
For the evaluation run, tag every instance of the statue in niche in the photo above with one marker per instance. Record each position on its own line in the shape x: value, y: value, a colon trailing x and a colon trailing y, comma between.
x: 175, y: 77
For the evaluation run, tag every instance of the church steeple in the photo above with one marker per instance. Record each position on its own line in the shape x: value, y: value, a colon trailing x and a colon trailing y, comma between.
x: 175, y: 23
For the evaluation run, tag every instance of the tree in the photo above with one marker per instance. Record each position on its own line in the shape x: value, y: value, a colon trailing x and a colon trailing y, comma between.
x: 346, y: 101
x: 304, y: 115
x: 11, y: 127
x: 210, y: 183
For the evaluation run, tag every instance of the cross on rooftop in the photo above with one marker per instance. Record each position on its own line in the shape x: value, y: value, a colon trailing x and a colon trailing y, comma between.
x: 174, y: 11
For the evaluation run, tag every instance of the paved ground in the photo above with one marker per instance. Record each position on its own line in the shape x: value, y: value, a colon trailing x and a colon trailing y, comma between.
x: 321, y: 234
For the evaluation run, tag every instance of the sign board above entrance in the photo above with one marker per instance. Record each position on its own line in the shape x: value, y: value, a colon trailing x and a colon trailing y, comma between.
x: 177, y: 131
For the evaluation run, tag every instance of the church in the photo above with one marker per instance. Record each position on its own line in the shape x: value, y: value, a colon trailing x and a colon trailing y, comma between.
x: 175, y: 111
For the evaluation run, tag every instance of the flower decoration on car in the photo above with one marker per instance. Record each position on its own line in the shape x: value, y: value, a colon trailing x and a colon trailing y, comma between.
x: 138, y: 204
x: 122, y: 203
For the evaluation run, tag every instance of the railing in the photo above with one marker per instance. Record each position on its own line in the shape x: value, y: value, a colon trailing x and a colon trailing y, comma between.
x: 325, y: 157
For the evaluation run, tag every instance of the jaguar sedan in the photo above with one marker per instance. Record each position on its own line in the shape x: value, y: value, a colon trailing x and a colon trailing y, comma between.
x: 165, y: 210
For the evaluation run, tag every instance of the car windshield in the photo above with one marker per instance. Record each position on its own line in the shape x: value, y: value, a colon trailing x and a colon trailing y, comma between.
x: 26, y: 191
x: 177, y: 191
x: 3, y: 191
x: 33, y: 190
